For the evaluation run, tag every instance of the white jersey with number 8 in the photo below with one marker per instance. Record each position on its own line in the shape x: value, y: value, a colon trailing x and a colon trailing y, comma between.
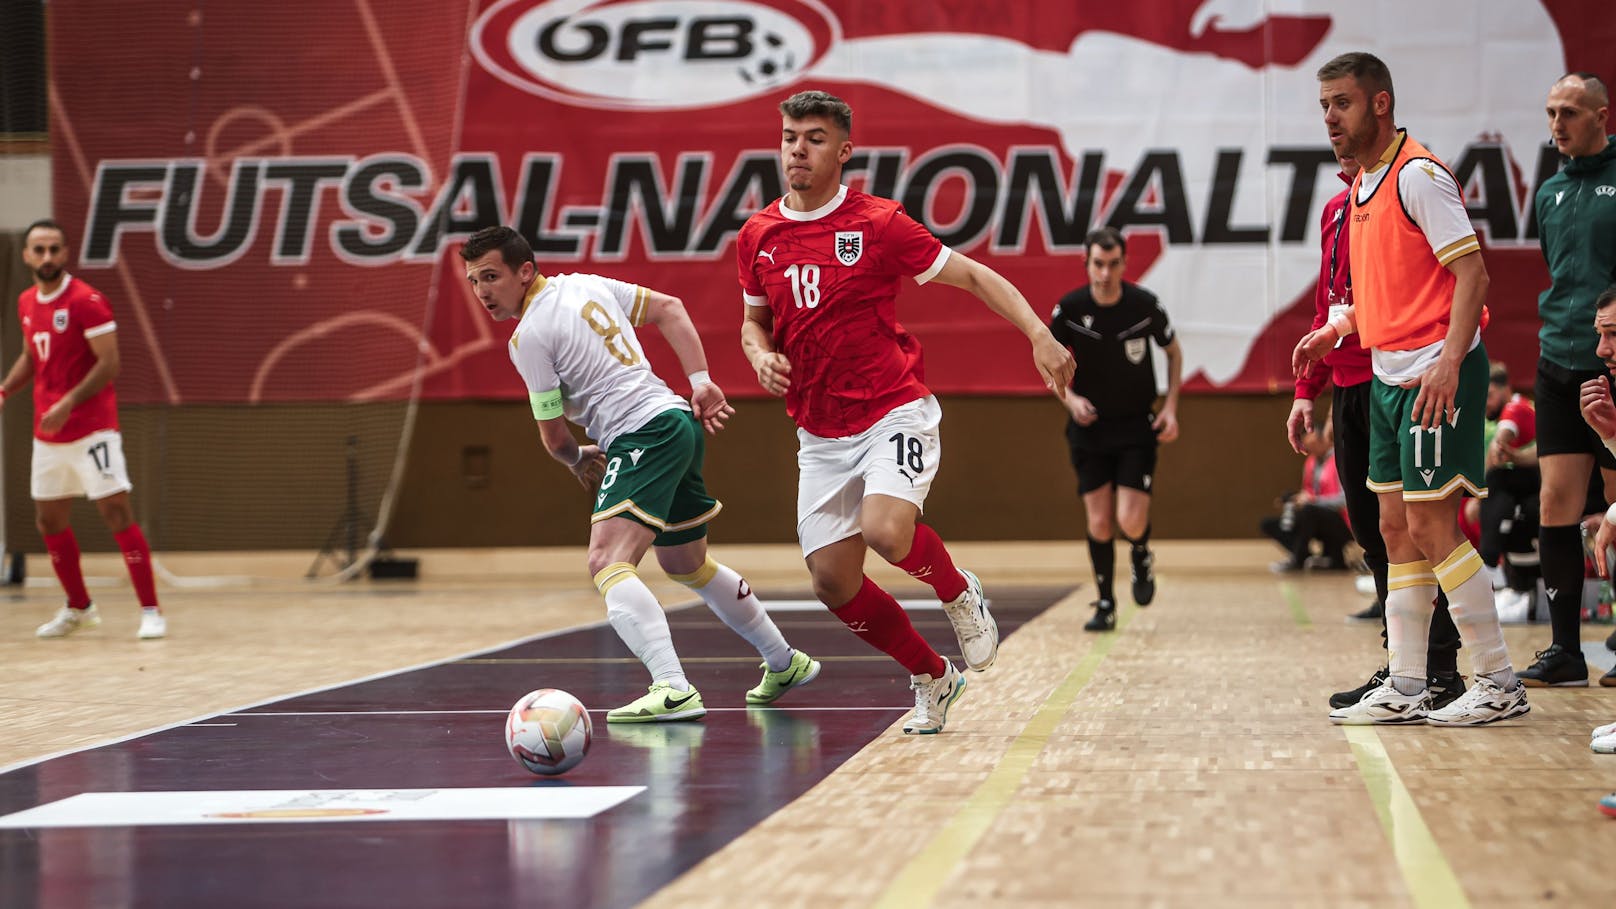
x: 576, y: 335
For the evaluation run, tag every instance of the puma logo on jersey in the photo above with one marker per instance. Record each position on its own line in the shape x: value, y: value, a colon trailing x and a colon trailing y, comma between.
x: 1427, y: 474
x: 768, y: 255
x: 635, y: 455
x: 859, y: 627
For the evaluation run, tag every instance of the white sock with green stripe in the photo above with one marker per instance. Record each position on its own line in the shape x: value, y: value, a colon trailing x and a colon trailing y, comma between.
x: 1410, y: 598
x: 728, y: 595
x: 1470, y: 601
x: 638, y: 619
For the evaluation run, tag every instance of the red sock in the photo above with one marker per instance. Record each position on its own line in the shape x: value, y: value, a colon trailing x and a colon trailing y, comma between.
x: 928, y: 561
x: 137, y: 556
x: 64, y: 552
x: 877, y: 618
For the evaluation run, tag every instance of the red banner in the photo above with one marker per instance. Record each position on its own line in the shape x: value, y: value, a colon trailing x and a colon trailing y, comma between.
x: 272, y: 194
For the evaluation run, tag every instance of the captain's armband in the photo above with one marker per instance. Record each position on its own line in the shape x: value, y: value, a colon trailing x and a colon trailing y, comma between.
x: 546, y: 404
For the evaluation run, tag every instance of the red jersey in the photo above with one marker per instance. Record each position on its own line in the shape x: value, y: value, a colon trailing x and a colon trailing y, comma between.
x: 1349, y: 361
x: 831, y: 277
x: 1521, y: 419
x: 56, y: 331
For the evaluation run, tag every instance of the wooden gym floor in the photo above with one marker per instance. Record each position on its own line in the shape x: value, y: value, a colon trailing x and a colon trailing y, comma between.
x: 1183, y: 760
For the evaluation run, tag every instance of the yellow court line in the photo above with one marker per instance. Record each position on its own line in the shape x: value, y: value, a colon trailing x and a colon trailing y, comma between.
x: 1298, y: 609
x: 1426, y: 872
x: 919, y: 881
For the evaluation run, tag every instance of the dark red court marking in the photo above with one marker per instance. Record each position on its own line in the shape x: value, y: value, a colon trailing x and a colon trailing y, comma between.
x: 708, y: 782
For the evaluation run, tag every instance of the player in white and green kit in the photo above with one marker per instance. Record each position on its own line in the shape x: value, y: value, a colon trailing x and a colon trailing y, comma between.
x: 577, y: 350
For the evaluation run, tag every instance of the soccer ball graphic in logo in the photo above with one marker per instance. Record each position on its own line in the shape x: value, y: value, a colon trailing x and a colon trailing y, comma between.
x: 771, y: 64
x: 548, y: 731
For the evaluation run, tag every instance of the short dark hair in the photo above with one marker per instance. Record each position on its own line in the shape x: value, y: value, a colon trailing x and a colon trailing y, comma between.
x: 44, y: 224
x: 512, y: 246
x: 1592, y: 84
x: 1105, y: 238
x: 1372, y: 75
x: 816, y: 103
x: 1498, y: 373
x: 1606, y: 298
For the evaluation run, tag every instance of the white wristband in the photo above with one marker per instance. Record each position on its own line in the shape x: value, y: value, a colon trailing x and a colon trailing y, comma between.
x: 579, y: 456
x: 1342, y: 325
x: 700, y: 377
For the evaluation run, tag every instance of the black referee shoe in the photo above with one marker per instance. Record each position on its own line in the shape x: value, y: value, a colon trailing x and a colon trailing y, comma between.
x: 1556, y: 667
x: 1144, y: 578
x: 1105, y: 617
x: 1347, y: 698
x: 1444, y: 688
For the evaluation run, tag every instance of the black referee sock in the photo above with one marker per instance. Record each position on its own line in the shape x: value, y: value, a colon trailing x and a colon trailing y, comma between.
x: 1141, y: 545
x: 1103, y: 556
x: 1560, y: 554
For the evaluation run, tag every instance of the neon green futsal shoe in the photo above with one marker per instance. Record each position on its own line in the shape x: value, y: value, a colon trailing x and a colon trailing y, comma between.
x: 803, y: 669
x: 661, y: 703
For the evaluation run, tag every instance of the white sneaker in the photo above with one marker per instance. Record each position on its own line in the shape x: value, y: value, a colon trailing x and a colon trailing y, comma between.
x: 1514, y: 606
x: 68, y: 620
x: 1605, y: 744
x: 932, y: 699
x: 1602, y: 731
x: 1484, y: 703
x: 152, y: 625
x: 977, y: 632
x: 1384, y: 706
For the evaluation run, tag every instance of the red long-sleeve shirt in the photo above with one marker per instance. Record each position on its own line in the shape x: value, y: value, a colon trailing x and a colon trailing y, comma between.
x: 1349, y: 363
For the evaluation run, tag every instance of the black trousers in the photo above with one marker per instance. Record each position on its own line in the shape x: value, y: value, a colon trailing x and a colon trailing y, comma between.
x: 1308, y: 523
x: 1350, y: 417
x: 1509, y: 520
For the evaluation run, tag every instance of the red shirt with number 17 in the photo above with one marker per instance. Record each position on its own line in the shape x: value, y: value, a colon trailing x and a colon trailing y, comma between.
x: 56, y: 330
x: 831, y: 278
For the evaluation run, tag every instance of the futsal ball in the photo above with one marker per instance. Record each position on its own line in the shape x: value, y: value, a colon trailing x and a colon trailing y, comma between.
x: 548, y: 731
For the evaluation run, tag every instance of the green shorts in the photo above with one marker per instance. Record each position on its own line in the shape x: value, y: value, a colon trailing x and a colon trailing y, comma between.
x: 1430, y: 464
x: 653, y: 476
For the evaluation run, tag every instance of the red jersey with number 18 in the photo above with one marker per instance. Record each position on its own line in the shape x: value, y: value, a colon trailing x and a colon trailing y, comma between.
x: 830, y: 277
x: 57, y: 330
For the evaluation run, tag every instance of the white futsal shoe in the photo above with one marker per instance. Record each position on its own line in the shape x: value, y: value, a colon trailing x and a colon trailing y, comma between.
x: 932, y: 700
x: 1485, y: 702
x: 1602, y: 731
x: 68, y: 620
x: 974, y: 626
x: 152, y: 625
x: 1384, y: 706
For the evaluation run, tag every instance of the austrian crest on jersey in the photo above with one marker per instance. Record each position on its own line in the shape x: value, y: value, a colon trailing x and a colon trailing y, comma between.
x: 849, y: 246
x: 59, y: 320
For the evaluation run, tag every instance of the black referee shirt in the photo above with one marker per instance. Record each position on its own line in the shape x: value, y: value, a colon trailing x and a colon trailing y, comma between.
x: 1115, y: 367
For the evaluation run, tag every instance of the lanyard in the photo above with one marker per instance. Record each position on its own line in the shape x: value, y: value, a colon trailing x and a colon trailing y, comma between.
x: 1335, y: 246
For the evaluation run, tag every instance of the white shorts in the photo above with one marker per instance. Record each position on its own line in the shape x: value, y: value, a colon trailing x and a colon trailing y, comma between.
x: 896, y: 457
x: 92, y: 467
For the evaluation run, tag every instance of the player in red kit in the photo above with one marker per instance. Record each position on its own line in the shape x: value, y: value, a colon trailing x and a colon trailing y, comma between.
x: 72, y: 357
x: 820, y: 271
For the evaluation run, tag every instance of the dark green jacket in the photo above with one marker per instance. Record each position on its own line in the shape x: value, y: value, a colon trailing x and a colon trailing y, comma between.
x: 1576, y: 218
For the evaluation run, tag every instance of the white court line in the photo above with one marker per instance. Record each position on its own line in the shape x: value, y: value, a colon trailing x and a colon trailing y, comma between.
x: 503, y: 712
x: 287, y: 697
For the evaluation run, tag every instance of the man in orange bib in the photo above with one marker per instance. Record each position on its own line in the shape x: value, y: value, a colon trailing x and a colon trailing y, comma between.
x: 1418, y: 285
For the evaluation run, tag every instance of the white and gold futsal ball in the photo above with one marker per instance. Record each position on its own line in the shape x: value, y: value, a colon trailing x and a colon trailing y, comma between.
x: 548, y: 731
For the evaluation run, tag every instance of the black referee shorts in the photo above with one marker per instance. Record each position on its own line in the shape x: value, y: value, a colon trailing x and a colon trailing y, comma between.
x: 1119, y: 452
x: 1560, y: 426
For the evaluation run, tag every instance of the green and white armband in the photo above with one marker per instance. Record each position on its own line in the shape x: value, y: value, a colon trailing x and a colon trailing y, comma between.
x: 546, y: 404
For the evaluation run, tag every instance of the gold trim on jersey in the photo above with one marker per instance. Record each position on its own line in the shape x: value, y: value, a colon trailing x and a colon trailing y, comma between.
x: 640, y: 308
x: 654, y: 522
x: 532, y: 292
x: 1458, y: 249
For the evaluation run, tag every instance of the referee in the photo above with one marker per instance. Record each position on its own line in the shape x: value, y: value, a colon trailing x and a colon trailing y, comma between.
x: 1113, y: 433
x: 1576, y: 216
